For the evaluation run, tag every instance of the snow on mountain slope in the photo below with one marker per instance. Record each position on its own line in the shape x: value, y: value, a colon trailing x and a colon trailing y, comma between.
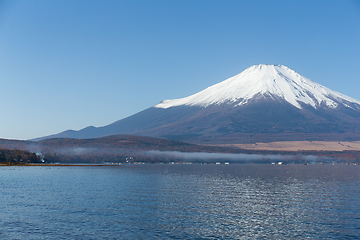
x: 264, y: 80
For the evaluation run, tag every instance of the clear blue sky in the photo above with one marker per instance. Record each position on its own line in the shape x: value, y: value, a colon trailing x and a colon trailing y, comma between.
x: 68, y: 64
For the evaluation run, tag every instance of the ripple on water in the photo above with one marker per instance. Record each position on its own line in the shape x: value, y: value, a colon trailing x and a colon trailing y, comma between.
x: 180, y: 201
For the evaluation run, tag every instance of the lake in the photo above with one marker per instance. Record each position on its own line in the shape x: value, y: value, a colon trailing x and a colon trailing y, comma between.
x: 159, y: 201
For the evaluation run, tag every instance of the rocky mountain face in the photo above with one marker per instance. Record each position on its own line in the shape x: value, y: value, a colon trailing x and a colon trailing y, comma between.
x: 261, y: 104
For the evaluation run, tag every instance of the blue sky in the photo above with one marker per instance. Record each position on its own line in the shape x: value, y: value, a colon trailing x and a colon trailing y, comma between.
x: 68, y: 64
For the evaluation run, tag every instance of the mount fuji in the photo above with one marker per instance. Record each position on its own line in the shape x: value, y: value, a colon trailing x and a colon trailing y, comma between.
x: 261, y: 104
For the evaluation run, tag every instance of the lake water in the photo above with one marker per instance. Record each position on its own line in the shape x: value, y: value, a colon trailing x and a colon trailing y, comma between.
x: 180, y: 202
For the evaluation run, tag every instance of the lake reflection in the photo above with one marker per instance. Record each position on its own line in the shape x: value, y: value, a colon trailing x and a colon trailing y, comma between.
x: 180, y: 202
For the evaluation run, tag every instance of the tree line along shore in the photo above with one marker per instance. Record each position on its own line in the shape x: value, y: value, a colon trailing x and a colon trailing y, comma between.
x: 15, y: 157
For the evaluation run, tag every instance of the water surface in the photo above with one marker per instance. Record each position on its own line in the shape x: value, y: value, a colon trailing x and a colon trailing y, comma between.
x: 180, y: 202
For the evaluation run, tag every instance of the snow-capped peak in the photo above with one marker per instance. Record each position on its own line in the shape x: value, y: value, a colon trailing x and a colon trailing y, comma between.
x: 264, y: 80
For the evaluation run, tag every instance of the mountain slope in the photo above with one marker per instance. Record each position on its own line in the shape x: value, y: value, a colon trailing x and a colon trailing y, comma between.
x: 263, y: 103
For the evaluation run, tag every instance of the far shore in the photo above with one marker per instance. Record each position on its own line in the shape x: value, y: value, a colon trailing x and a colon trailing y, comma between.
x: 299, y: 146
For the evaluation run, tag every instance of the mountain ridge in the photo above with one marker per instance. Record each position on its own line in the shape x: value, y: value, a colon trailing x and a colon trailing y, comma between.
x: 271, y: 101
x: 259, y: 80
